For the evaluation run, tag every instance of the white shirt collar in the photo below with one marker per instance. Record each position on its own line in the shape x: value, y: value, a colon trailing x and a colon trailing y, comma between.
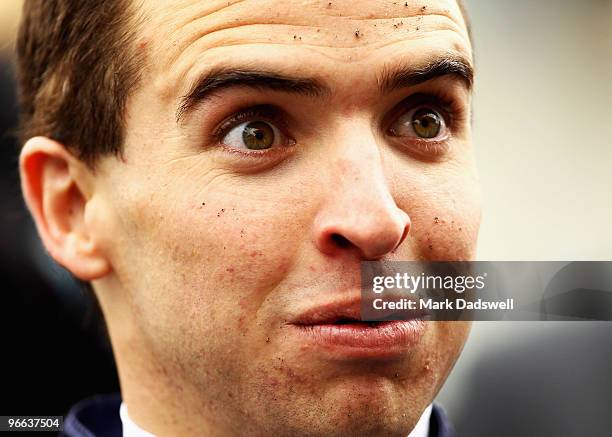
x: 422, y: 427
x: 130, y: 429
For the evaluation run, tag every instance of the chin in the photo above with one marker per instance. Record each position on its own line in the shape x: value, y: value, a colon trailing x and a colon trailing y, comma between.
x: 348, y: 405
x: 356, y: 421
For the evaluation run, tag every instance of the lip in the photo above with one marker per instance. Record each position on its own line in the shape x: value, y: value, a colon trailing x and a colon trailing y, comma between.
x: 336, y: 328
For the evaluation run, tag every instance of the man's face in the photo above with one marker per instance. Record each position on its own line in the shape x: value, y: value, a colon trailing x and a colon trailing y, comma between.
x: 225, y: 227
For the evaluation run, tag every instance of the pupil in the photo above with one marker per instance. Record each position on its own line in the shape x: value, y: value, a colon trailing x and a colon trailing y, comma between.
x: 259, y: 135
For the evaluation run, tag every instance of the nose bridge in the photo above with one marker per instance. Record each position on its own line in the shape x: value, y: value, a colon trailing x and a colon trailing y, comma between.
x: 360, y: 212
x: 358, y: 169
x: 357, y: 164
x: 360, y: 180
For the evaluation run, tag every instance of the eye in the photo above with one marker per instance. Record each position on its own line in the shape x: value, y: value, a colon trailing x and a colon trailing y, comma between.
x: 254, y: 135
x: 421, y: 122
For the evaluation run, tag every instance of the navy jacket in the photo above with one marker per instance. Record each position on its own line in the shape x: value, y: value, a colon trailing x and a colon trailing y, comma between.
x: 99, y: 417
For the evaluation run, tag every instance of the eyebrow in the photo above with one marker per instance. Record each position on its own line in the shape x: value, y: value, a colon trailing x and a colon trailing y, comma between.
x: 406, y: 75
x: 222, y: 79
x: 391, y: 78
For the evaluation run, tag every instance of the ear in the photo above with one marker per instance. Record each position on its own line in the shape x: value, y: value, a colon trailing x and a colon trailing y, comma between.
x: 55, y: 187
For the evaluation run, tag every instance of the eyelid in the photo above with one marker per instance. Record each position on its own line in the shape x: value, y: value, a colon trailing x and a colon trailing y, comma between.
x: 409, y: 114
x: 448, y: 108
x: 266, y: 113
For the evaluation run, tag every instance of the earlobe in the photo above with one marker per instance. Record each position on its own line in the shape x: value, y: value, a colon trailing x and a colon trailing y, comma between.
x: 52, y: 181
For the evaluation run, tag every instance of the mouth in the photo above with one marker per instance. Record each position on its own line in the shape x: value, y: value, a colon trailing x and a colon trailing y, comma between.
x: 337, y: 329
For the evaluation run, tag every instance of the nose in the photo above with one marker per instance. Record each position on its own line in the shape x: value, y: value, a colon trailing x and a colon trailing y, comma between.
x: 360, y: 214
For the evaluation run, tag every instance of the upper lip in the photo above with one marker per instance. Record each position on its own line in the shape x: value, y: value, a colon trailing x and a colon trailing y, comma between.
x: 347, y: 309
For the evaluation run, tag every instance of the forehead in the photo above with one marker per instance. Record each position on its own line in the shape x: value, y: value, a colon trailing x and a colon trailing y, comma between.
x: 185, y: 37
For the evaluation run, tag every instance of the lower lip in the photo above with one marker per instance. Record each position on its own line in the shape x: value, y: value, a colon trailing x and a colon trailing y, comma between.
x: 359, y: 340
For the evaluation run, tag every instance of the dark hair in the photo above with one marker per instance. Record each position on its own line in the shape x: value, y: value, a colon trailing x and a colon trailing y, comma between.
x: 77, y: 65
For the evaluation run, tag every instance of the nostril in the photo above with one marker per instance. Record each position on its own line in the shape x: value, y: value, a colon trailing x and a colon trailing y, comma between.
x: 340, y: 241
x: 404, y: 235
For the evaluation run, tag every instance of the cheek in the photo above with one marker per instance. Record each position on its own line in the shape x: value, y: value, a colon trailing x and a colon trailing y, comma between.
x: 206, y: 253
x: 445, y: 214
x: 442, y: 351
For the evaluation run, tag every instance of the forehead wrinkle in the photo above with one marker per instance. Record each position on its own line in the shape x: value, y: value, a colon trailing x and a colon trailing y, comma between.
x: 331, y: 23
x: 397, y: 17
x: 204, y: 33
x: 193, y: 28
x: 202, y: 13
x: 349, y: 49
x: 264, y: 16
x: 364, y: 42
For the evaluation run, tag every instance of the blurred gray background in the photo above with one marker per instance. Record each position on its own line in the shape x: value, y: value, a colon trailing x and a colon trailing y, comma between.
x: 542, y: 130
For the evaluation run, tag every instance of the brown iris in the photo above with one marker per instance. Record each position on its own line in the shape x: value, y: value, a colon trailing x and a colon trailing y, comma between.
x: 258, y: 135
x: 426, y: 123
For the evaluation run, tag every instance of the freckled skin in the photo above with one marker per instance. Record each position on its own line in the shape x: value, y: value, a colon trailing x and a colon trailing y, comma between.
x: 210, y: 260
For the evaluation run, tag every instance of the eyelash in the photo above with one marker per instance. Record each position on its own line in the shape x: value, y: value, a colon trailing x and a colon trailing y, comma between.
x: 264, y: 112
x: 451, y: 110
